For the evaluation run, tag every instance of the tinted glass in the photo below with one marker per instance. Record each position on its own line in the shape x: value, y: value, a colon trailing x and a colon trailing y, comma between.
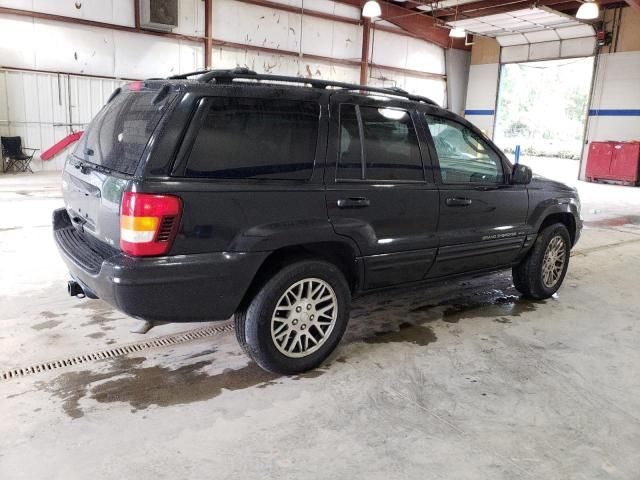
x: 350, y: 155
x: 244, y: 138
x: 391, y: 148
x: 390, y: 145
x: 119, y: 133
x: 463, y: 156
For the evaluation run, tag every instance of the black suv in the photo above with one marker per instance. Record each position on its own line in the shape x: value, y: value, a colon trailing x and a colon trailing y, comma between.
x: 276, y: 199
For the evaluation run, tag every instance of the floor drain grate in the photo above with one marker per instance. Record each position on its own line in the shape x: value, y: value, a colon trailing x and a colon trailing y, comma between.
x: 165, y: 341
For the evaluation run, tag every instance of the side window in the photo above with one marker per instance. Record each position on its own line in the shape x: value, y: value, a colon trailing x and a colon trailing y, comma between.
x: 391, y: 150
x: 463, y: 156
x: 243, y: 138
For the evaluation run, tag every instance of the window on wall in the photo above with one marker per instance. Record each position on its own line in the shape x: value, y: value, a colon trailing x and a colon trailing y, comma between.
x: 249, y: 138
x: 389, y: 150
x: 463, y: 156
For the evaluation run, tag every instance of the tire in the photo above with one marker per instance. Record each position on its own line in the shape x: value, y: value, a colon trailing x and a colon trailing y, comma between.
x: 281, y: 341
x: 530, y: 277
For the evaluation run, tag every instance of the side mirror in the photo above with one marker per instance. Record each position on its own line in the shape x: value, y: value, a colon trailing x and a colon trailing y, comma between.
x: 521, y: 175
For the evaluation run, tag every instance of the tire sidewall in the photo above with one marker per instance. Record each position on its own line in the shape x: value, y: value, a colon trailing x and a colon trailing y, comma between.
x: 544, y: 239
x: 258, y: 324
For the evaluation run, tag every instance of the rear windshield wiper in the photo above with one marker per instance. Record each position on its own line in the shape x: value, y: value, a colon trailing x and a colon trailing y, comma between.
x: 86, y: 166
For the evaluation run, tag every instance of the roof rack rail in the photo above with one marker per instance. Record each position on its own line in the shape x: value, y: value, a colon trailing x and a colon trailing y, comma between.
x: 227, y: 76
x: 183, y: 76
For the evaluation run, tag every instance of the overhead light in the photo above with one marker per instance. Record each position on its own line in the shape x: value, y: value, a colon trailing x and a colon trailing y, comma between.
x: 371, y: 9
x: 588, y: 11
x: 457, y: 32
x: 392, y: 113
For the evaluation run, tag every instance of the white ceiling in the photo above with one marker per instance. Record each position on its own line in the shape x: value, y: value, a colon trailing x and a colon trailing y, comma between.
x: 530, y: 25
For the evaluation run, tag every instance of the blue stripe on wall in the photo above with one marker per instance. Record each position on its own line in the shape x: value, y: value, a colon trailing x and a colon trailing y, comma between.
x: 479, y: 112
x: 612, y: 112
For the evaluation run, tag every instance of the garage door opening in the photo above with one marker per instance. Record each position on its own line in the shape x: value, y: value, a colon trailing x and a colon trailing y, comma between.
x: 542, y: 106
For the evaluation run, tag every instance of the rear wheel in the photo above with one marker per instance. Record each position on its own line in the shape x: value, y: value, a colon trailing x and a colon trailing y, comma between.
x: 540, y: 274
x: 296, y: 319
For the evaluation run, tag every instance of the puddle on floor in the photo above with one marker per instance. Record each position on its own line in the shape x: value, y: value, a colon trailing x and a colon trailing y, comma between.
x: 622, y: 221
x: 407, y: 332
x: 405, y: 317
x: 46, y: 325
x: 385, y: 318
x: 96, y: 335
x: 142, y: 387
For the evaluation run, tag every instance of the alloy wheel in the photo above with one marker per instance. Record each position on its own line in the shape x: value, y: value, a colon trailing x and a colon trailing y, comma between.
x: 304, y: 317
x: 553, y: 261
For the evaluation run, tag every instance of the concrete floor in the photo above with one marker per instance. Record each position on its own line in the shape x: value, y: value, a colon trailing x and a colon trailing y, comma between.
x: 462, y: 381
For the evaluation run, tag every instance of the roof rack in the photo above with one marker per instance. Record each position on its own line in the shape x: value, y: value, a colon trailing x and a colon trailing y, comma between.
x: 227, y: 76
x: 184, y: 76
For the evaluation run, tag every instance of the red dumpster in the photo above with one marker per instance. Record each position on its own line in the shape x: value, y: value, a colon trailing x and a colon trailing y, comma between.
x: 614, y: 161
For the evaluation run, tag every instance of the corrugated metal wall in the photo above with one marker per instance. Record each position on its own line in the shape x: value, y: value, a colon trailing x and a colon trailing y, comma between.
x: 242, y: 23
x: 43, y: 108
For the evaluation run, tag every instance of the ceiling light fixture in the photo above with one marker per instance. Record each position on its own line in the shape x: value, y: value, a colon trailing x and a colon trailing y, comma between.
x: 371, y: 9
x: 588, y: 11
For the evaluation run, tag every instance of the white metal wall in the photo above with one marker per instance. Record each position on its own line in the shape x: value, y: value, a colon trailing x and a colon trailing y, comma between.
x: 458, y: 64
x: 43, y: 108
x: 614, y: 111
x: 117, y: 12
x: 481, y: 96
x: 28, y: 43
x: 243, y: 23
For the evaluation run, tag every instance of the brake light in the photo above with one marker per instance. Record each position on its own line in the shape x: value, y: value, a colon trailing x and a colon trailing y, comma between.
x: 148, y: 223
x: 136, y: 86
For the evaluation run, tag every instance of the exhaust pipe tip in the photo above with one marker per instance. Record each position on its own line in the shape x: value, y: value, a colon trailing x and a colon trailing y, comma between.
x: 74, y: 289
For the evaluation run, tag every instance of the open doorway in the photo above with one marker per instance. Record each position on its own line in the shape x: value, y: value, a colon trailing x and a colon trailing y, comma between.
x: 542, y: 106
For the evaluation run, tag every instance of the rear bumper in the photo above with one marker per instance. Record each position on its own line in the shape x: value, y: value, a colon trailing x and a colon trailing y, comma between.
x: 181, y: 288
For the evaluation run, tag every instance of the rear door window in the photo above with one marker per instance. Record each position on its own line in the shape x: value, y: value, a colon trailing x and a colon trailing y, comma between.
x: 390, y: 151
x: 250, y: 138
x: 119, y: 133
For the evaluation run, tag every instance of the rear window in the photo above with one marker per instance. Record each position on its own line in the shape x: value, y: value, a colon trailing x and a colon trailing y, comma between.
x: 249, y: 138
x: 119, y: 133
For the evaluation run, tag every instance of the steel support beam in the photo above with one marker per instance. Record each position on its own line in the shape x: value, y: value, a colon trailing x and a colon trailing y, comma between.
x: 208, y: 45
x: 635, y: 4
x: 420, y: 24
x: 310, y: 13
x: 320, y: 58
x: 364, y: 60
x: 136, y: 13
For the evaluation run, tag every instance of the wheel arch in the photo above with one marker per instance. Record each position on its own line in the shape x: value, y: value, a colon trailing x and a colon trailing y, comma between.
x: 565, y: 218
x: 339, y: 253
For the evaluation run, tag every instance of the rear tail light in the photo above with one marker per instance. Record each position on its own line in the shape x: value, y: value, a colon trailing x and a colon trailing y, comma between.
x: 148, y: 223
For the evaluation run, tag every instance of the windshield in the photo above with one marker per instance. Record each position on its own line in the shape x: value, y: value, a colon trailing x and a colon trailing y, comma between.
x: 117, y: 136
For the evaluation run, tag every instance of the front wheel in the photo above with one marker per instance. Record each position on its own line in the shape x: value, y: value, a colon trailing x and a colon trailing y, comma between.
x: 540, y: 274
x: 297, y: 318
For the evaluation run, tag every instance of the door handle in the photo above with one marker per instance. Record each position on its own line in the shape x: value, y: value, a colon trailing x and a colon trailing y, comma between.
x: 353, y: 202
x: 458, y: 202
